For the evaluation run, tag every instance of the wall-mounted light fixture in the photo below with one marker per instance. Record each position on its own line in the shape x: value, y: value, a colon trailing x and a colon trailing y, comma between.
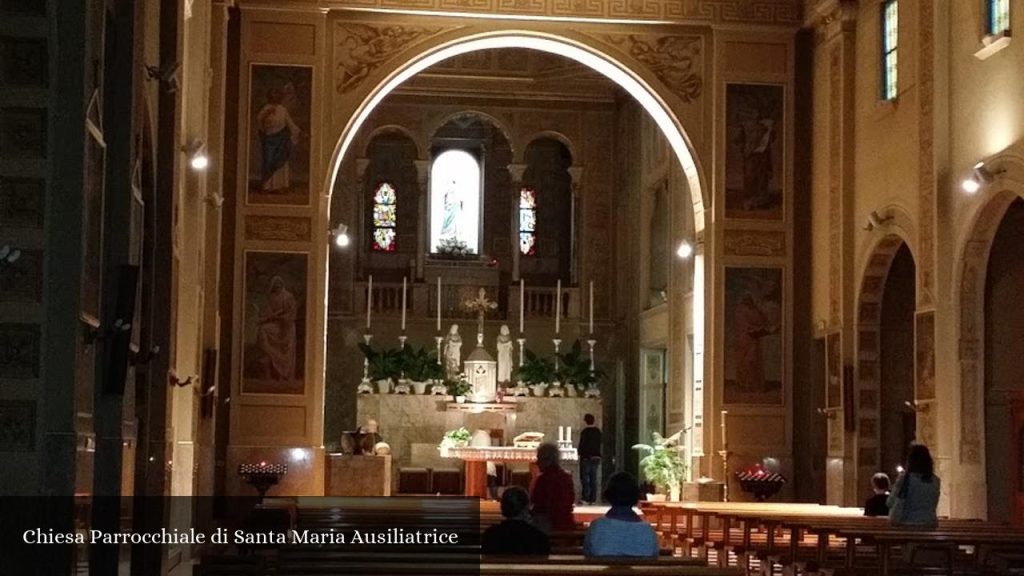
x: 167, y: 75
x: 981, y: 175
x: 876, y: 220
x: 197, y: 157
x: 340, y: 233
x: 685, y: 249
x: 8, y: 256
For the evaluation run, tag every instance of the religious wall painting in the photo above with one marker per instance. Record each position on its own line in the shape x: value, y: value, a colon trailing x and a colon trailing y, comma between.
x: 754, y: 151
x: 833, y: 370
x: 924, y: 355
x: 280, y: 100
x: 361, y: 48
x: 274, y: 355
x: 753, y: 336
x: 652, y: 396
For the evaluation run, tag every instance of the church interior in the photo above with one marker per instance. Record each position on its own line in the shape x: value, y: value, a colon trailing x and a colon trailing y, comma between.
x: 297, y: 250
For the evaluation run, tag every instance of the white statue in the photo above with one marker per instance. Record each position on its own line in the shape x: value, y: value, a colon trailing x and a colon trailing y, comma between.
x: 504, y: 346
x: 453, y: 352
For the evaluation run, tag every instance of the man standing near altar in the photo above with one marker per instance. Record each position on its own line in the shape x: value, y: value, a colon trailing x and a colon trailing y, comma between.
x: 589, y: 451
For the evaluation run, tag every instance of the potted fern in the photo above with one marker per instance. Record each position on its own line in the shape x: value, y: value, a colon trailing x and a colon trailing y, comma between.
x: 420, y: 367
x: 457, y: 438
x: 574, y: 370
x: 385, y: 365
x: 536, y: 372
x: 458, y: 388
x: 663, y: 463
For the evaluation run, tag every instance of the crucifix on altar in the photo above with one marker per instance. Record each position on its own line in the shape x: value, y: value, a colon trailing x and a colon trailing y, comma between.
x: 481, y: 369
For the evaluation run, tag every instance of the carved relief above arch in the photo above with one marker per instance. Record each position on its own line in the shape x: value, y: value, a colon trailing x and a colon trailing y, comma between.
x: 360, y: 48
x: 674, y: 59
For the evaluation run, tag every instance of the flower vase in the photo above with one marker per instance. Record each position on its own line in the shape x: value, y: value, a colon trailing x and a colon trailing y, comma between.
x: 460, y: 399
x: 384, y: 386
x: 673, y: 492
x: 419, y: 387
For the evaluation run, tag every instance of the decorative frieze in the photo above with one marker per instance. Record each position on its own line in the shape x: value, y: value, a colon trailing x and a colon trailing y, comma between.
x: 674, y: 59
x: 359, y: 49
x: 755, y: 243
x: 278, y: 228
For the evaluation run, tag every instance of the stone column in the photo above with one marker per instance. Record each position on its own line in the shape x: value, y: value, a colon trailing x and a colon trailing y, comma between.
x: 576, y: 172
x: 423, y: 221
x: 359, y: 225
x: 516, y: 173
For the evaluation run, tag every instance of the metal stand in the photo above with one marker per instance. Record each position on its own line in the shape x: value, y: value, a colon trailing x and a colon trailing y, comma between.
x: 591, y: 343
x: 437, y: 340
x: 558, y: 342
x: 366, y: 361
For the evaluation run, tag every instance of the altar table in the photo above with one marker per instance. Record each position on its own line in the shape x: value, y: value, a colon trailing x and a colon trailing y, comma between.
x: 476, y: 459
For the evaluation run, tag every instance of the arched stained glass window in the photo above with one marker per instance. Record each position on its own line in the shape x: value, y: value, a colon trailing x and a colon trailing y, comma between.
x: 528, y: 221
x: 385, y: 217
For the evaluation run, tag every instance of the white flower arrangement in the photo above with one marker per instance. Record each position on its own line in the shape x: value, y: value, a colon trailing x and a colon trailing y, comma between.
x: 452, y: 247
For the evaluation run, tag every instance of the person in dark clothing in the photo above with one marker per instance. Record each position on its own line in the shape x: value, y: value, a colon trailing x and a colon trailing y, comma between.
x: 515, y: 536
x: 589, y: 452
x: 877, y: 505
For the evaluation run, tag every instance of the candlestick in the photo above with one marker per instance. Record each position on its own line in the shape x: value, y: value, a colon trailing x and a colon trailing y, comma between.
x: 369, y: 301
x: 557, y: 342
x: 591, y: 299
x: 591, y: 343
x: 725, y: 459
x: 366, y: 361
x: 561, y: 433
x: 522, y: 295
x: 558, y: 306
x: 437, y: 340
x: 438, y: 303
x: 401, y: 340
x: 568, y: 434
x: 522, y: 342
x: 405, y: 286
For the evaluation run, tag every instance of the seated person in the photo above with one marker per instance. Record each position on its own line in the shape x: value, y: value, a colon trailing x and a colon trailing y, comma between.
x: 552, y: 492
x: 876, y: 505
x: 621, y: 532
x: 915, y: 496
x: 515, y: 535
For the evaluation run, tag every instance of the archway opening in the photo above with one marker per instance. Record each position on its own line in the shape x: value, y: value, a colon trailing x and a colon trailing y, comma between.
x: 1004, y: 388
x: 896, y: 360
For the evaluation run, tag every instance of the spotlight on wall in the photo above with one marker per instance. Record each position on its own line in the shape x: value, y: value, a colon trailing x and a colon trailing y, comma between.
x: 8, y: 256
x: 197, y: 157
x: 980, y: 176
x: 340, y: 233
x: 685, y: 250
x: 876, y: 220
x: 167, y: 75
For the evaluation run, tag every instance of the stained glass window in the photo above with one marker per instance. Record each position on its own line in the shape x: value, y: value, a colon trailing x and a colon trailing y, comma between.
x: 528, y: 221
x: 385, y: 217
x: 998, y: 16
x: 890, y: 37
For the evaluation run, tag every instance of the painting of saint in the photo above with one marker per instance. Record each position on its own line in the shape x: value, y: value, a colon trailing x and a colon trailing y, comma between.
x: 754, y: 336
x: 274, y: 355
x: 754, y: 163
x: 924, y: 354
x: 279, y: 128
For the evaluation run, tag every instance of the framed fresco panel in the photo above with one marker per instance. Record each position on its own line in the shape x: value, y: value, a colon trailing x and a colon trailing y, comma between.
x: 924, y: 356
x: 833, y: 370
x: 754, y: 151
x: 754, y: 336
x: 279, y: 124
x: 274, y: 345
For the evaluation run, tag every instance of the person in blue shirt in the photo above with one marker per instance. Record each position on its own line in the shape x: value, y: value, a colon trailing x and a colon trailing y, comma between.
x: 915, y: 496
x: 621, y: 532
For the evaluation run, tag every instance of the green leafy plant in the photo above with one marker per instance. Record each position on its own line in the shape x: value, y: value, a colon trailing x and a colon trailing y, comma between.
x: 574, y: 368
x: 458, y: 387
x: 383, y: 364
x: 535, y: 370
x: 420, y: 364
x: 663, y: 464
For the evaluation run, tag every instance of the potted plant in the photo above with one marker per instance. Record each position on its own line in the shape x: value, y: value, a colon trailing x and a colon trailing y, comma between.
x: 574, y: 370
x: 457, y: 438
x: 384, y: 365
x: 420, y: 366
x: 535, y: 372
x: 663, y: 464
x: 458, y: 388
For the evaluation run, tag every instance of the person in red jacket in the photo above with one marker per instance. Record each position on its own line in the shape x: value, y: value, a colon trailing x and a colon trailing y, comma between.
x: 552, y: 492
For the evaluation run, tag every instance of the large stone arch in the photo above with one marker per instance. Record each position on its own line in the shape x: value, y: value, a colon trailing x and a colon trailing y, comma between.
x: 883, y: 250
x: 355, y: 105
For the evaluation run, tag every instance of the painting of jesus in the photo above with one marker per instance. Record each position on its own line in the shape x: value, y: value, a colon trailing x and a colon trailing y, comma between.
x: 279, y: 127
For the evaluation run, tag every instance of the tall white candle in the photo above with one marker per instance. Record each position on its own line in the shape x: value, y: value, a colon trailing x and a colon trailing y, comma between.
x: 558, y: 306
x: 591, y: 306
x: 369, y: 301
x: 405, y: 287
x: 522, y: 295
x: 561, y: 433
x: 568, y: 434
x: 438, y: 304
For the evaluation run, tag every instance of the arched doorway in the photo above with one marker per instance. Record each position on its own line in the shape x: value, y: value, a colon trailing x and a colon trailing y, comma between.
x: 1004, y: 337
x: 885, y: 359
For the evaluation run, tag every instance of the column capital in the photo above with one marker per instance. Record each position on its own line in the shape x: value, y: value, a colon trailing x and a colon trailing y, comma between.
x: 516, y: 171
x: 422, y: 170
x: 576, y: 172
